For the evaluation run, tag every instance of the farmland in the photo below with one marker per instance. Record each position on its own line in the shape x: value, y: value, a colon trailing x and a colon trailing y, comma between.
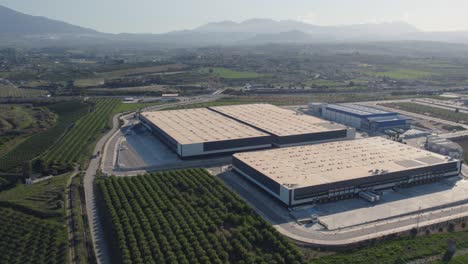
x: 187, y: 216
x: 68, y: 113
x: 10, y: 91
x: 44, y: 198
x: 401, y: 74
x: 17, y: 122
x: 27, y: 239
x: 75, y: 144
x: 230, y: 74
x: 101, y: 76
x: 32, y: 229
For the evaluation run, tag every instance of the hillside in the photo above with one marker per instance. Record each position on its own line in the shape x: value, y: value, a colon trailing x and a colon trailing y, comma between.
x: 18, y: 24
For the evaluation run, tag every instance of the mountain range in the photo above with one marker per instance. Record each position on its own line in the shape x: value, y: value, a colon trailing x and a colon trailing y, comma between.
x: 16, y: 26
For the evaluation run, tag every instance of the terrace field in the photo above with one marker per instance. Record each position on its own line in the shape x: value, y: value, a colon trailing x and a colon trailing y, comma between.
x: 10, y: 91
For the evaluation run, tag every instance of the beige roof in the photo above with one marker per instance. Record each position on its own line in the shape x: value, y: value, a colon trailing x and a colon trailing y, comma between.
x: 200, y: 125
x: 276, y: 120
x: 337, y: 161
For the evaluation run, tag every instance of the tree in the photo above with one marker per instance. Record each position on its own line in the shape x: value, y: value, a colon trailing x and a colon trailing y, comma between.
x: 27, y: 170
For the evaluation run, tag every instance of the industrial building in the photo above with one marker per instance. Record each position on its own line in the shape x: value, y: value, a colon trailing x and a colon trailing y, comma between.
x: 287, y: 127
x: 337, y: 170
x: 363, y: 117
x: 196, y: 132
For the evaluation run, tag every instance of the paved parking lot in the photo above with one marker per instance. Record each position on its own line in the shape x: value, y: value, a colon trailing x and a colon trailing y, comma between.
x: 354, y: 220
x: 135, y: 150
x: 352, y: 212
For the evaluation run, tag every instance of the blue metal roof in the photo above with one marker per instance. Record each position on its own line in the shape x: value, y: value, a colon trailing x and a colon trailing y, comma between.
x: 359, y: 110
x: 379, y: 119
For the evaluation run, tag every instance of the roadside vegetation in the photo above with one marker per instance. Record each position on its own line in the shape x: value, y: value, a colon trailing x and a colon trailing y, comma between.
x: 187, y: 216
x: 81, y: 239
x: 398, y: 251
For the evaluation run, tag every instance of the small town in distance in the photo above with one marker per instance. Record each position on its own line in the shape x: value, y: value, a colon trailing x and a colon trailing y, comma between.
x: 294, y: 139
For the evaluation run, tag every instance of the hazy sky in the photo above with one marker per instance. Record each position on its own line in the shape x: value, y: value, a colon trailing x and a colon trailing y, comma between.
x: 155, y: 16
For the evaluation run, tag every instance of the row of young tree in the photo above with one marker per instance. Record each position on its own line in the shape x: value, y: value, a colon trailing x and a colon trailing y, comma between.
x: 73, y: 144
x: 187, y: 216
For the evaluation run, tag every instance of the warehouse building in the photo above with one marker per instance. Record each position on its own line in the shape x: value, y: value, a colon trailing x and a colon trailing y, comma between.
x: 364, y: 118
x: 197, y: 132
x: 287, y: 127
x: 338, y: 170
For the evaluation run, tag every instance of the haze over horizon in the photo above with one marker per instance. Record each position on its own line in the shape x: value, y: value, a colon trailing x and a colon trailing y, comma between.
x: 147, y: 16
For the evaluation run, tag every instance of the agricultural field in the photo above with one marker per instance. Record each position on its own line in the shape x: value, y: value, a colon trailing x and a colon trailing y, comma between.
x: 187, y: 216
x: 101, y: 76
x: 17, y: 122
x: 401, y: 74
x: 431, y: 111
x: 68, y: 113
x: 27, y: 239
x: 18, y: 118
x: 75, y: 145
x: 10, y: 91
x: 44, y: 198
x: 230, y: 74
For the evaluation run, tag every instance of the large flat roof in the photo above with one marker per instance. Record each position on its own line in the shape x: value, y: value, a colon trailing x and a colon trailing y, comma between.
x: 200, y: 125
x: 277, y: 121
x: 337, y: 161
x: 359, y: 110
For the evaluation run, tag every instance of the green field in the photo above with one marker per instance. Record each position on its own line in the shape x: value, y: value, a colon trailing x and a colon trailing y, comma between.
x: 402, y: 74
x: 230, y: 74
x: 187, y: 216
x: 124, y: 107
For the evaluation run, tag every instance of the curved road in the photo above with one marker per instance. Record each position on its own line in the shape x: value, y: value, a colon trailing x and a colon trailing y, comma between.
x: 96, y: 227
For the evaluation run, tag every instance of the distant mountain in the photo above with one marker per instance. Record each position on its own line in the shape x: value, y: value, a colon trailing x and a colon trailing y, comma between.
x: 14, y: 23
x: 21, y: 29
